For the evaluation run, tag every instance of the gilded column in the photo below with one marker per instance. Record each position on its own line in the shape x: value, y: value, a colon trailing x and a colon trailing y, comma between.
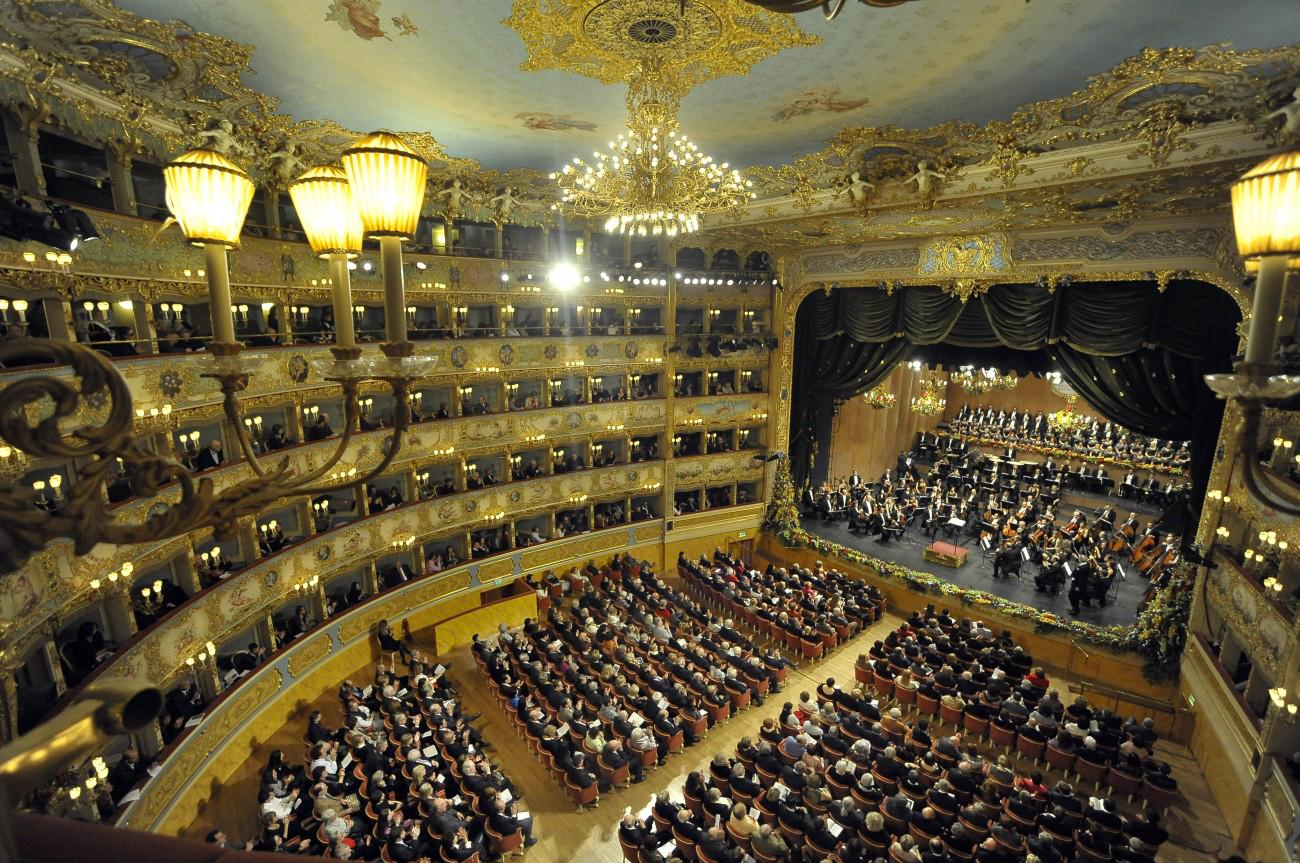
x: 187, y: 577
x: 21, y: 134
x: 119, y: 175
x: 58, y: 319
x: 8, y: 703
x: 119, y: 614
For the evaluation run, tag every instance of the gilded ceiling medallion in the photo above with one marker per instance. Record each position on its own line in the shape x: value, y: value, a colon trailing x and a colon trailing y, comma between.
x: 610, y: 40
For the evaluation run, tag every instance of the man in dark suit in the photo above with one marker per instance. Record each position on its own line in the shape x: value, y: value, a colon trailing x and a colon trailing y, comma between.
x: 210, y: 457
x: 505, y: 820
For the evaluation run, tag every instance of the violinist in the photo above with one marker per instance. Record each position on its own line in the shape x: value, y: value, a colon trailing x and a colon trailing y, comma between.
x: 1106, y: 520
x: 1076, y: 523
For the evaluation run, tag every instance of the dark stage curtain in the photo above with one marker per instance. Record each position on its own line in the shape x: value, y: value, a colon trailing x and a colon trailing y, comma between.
x: 1135, y: 354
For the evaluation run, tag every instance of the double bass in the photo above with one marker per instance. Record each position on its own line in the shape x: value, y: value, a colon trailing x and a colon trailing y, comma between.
x: 1145, y: 546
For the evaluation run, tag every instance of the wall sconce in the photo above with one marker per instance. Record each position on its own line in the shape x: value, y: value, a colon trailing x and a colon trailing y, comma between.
x: 402, y: 543
x: 189, y: 442
x: 410, y: 314
x: 339, y: 476
x: 1286, y: 709
x: 254, y: 425
x: 20, y: 307
x: 311, y: 413
x: 13, y: 461
x: 366, y: 405
x: 358, y: 312
x: 306, y: 586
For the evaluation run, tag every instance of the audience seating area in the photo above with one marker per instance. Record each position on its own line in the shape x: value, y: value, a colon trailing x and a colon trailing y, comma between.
x: 809, y: 611
x: 844, y: 776
x: 629, y: 673
x: 404, y: 779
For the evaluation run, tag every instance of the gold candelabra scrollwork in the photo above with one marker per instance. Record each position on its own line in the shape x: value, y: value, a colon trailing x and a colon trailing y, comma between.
x: 378, y: 193
x: 1266, y: 217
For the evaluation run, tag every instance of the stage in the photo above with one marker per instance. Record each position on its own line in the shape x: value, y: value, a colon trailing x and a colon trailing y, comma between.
x: 978, y: 573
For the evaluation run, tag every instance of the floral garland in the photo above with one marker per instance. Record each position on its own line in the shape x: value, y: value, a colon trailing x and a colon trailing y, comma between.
x: 1159, y: 634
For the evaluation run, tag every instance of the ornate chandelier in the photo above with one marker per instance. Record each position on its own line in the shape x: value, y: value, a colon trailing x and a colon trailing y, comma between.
x: 880, y: 398
x: 1003, y: 381
x: 653, y: 181
x: 929, y: 402
x: 975, y: 381
x: 377, y: 193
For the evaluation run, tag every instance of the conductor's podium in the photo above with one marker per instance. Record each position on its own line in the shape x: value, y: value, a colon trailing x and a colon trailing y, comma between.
x: 945, y: 554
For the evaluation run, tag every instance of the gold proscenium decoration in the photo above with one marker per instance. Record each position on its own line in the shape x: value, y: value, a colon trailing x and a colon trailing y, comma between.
x: 653, y: 180
x: 379, y: 191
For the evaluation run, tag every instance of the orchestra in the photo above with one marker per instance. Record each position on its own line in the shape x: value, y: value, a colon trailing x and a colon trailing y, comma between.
x: 1011, y: 509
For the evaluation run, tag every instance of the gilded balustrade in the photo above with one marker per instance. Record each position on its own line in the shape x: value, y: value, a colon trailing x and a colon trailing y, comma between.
x: 229, y: 606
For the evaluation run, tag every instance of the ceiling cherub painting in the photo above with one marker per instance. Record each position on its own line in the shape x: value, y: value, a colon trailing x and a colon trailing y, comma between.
x: 359, y: 16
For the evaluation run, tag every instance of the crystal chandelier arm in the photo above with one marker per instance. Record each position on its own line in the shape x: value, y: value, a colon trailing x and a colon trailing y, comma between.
x: 351, y: 412
x: 231, y: 386
x: 401, y: 420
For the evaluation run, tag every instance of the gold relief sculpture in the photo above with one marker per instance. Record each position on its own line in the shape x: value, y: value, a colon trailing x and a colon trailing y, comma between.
x: 966, y: 256
x: 496, y: 569
x: 610, y: 40
x: 309, y: 654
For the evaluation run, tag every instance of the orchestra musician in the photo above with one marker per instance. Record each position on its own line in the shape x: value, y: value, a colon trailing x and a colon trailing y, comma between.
x: 1011, y: 510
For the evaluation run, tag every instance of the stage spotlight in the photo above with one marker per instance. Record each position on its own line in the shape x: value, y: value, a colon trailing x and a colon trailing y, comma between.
x: 564, y: 276
x: 73, y: 221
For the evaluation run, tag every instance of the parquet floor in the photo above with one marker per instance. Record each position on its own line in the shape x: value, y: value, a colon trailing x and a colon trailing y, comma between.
x: 566, y: 836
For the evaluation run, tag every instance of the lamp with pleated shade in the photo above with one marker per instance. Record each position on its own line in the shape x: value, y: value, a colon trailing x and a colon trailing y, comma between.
x: 209, y: 196
x: 1266, y: 217
x: 323, y: 198
x: 387, y: 179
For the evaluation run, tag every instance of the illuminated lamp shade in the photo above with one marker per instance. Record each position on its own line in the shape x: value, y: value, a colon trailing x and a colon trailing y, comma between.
x: 387, y: 179
x: 209, y: 196
x: 1266, y: 207
x: 324, y: 202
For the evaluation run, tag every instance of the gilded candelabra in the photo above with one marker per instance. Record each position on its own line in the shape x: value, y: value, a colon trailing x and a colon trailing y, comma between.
x: 378, y: 192
x: 1266, y: 216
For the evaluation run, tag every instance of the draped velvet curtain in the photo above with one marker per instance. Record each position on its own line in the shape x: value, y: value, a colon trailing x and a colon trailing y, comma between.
x: 1134, y: 353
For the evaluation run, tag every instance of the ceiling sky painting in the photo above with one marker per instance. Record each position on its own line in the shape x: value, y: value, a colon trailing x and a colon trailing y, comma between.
x: 453, y: 68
